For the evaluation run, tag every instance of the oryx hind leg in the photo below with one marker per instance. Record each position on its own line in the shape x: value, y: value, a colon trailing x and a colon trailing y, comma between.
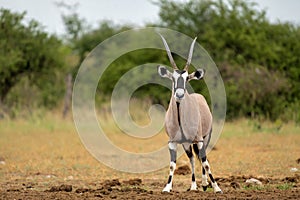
x: 204, y: 177
x: 206, y: 168
x: 189, y: 152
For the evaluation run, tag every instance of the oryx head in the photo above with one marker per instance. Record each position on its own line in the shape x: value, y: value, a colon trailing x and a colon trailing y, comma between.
x: 179, y: 77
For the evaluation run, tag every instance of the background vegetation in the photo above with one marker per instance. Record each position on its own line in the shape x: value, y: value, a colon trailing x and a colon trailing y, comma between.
x: 258, y: 60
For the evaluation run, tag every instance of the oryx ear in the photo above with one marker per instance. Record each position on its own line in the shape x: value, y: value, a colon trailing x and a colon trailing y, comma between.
x: 163, y: 72
x: 197, y: 75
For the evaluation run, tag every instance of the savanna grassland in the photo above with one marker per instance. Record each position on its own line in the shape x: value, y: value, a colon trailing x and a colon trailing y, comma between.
x: 43, y: 158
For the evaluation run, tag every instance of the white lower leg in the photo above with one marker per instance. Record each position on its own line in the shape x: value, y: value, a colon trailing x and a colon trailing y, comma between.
x: 194, y: 184
x: 172, y: 149
x: 216, y: 188
x: 168, y: 187
x: 208, y: 171
x: 204, y: 180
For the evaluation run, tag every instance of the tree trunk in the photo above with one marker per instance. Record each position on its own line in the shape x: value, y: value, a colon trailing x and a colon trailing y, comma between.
x: 68, y: 95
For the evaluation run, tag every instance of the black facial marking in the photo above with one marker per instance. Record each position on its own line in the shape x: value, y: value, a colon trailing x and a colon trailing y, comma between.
x: 198, y: 74
x: 163, y: 71
x: 180, y: 71
x: 180, y: 82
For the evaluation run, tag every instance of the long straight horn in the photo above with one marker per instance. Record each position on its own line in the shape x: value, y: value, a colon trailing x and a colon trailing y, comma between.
x: 168, y: 52
x: 189, y: 60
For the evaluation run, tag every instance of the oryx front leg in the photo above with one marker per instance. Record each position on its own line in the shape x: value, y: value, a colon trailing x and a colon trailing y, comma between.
x: 206, y: 169
x: 188, y: 150
x: 173, y: 154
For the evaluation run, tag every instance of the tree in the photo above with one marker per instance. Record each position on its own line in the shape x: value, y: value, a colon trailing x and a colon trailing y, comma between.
x: 258, y: 60
x: 27, y: 51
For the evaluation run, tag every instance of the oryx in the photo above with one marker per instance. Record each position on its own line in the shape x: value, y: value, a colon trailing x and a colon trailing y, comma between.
x: 188, y: 120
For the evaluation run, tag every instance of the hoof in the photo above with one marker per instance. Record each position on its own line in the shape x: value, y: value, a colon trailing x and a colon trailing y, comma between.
x: 191, y: 189
x: 204, y: 188
x: 166, y: 190
x: 193, y: 186
x: 219, y: 192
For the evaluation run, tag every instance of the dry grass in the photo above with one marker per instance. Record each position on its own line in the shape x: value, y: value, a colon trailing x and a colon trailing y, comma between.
x: 49, y: 145
x: 268, y: 152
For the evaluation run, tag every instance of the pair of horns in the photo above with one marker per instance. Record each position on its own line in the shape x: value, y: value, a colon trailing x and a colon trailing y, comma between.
x: 189, y: 60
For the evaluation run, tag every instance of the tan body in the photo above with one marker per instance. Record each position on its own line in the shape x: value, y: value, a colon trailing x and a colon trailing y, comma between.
x: 188, y: 121
x: 195, y: 119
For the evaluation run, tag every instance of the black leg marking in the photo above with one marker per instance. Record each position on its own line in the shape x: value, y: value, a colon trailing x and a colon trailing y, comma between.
x: 170, y: 179
x: 203, y: 159
x: 211, y: 178
x: 189, y: 151
x: 204, y: 186
x: 203, y: 171
x: 173, y: 152
x: 206, y: 169
x: 193, y: 177
x: 196, y: 150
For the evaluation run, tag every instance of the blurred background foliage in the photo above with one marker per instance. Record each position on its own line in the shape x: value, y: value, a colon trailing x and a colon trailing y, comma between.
x: 259, y: 61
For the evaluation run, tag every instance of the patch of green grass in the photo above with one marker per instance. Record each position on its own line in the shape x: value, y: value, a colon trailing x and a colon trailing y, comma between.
x: 254, y: 187
x: 285, y: 186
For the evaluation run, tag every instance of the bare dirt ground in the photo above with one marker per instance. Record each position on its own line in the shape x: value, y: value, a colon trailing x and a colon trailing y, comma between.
x: 233, y: 188
x: 51, y: 163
